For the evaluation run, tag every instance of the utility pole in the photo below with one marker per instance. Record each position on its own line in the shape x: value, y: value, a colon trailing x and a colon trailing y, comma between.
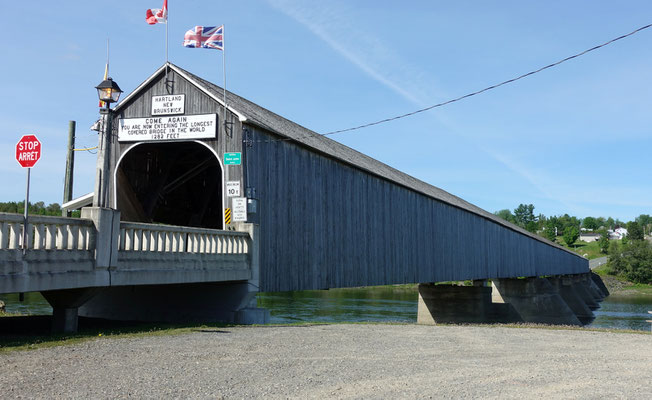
x: 70, y: 166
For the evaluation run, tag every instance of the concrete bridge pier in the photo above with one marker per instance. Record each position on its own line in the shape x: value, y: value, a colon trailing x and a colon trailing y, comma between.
x: 66, y: 302
x: 593, y: 288
x: 600, y: 284
x: 452, y: 304
x: 65, y: 306
x: 229, y: 302
x: 461, y: 304
x: 582, y: 289
x: 536, y: 301
x: 564, y: 286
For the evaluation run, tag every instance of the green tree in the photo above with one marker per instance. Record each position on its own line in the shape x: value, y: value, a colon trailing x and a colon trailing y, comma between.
x: 644, y: 219
x: 38, y: 208
x: 556, y: 223
x: 549, y: 232
x: 53, y: 209
x: 532, y: 226
x: 614, y: 248
x: 602, y: 223
x: 610, y: 223
x: 633, y: 261
x: 524, y: 215
x: 571, y: 234
x: 566, y: 220
x: 506, y: 215
x: 634, y: 231
x: 603, y: 242
x: 541, y: 222
x: 590, y: 223
x: 646, y: 223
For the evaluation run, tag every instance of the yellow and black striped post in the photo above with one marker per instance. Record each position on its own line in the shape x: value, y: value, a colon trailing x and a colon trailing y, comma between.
x: 227, y: 216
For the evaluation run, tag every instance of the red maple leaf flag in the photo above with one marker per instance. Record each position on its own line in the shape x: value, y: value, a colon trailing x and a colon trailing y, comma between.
x: 158, y: 16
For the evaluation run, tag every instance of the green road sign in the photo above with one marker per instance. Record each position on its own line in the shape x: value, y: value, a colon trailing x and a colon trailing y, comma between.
x: 232, y: 159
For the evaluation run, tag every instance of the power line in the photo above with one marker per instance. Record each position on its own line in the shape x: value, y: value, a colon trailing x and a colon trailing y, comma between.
x: 382, y: 121
x: 86, y: 149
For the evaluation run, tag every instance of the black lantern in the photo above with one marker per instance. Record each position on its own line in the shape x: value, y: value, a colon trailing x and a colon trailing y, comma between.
x: 108, y: 91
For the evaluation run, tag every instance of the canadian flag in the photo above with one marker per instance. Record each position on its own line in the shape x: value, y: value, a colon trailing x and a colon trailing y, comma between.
x: 156, y: 16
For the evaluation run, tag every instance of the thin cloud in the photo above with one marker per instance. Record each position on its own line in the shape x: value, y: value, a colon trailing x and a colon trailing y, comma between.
x: 71, y: 52
x: 367, y: 52
x: 374, y: 58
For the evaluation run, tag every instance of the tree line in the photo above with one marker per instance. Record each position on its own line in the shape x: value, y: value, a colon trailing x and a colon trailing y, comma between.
x: 630, y: 257
x: 38, y: 208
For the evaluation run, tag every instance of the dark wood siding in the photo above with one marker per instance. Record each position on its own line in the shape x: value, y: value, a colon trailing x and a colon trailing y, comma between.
x: 326, y: 224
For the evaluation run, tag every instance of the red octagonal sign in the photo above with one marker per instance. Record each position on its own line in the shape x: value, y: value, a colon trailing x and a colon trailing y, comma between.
x: 28, y: 151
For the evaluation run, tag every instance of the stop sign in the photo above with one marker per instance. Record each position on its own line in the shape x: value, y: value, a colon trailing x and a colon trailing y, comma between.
x: 28, y: 151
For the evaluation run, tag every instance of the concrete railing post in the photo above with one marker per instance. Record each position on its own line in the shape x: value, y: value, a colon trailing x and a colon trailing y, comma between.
x: 107, y: 225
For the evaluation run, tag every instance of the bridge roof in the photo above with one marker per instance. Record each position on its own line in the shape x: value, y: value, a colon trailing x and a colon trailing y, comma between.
x: 256, y: 115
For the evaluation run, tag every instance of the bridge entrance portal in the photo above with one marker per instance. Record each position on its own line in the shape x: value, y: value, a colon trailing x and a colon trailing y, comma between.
x: 176, y: 183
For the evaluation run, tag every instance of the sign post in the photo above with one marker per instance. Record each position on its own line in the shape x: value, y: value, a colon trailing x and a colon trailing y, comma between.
x: 28, y: 152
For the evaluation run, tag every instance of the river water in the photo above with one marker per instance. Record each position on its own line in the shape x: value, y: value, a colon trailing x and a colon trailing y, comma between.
x: 378, y: 304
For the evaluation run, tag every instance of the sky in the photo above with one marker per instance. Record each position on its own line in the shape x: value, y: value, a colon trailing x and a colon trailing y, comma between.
x: 573, y: 139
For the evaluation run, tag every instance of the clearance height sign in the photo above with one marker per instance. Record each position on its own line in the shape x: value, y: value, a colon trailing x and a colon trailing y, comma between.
x: 183, y: 127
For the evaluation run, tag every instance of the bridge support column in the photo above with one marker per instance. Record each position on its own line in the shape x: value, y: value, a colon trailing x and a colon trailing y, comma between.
x: 453, y: 304
x: 249, y: 314
x: 600, y: 284
x: 192, y: 302
x: 536, y: 300
x: 593, y: 288
x: 583, y: 290
x: 564, y: 286
x: 65, y: 305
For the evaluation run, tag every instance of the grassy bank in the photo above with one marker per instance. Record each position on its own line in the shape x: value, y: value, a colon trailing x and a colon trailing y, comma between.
x: 589, y: 250
x: 619, y: 286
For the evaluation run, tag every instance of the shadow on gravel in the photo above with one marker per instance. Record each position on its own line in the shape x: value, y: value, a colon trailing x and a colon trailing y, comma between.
x: 209, y: 331
x: 32, y: 330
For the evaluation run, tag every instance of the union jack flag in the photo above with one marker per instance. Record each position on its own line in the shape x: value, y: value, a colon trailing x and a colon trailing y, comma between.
x: 208, y: 37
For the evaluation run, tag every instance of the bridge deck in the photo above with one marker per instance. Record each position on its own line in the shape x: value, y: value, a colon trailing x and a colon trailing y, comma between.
x: 61, y: 255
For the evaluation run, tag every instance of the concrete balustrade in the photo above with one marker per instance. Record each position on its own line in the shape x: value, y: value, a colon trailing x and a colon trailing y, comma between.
x: 57, y: 233
x: 179, y: 239
x: 46, y: 233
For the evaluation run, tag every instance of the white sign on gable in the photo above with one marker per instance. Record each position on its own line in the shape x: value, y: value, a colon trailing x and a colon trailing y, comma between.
x: 233, y: 189
x: 202, y: 126
x: 239, y: 207
x: 170, y: 104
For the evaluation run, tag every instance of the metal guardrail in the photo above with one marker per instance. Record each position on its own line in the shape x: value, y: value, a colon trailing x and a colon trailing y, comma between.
x: 178, y: 239
x: 46, y: 233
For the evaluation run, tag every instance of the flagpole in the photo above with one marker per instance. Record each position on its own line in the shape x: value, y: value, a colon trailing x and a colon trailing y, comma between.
x: 224, y: 71
x: 224, y: 94
x: 167, y: 24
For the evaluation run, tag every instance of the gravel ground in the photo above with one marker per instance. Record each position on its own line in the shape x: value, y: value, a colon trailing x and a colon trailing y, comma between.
x: 340, y: 361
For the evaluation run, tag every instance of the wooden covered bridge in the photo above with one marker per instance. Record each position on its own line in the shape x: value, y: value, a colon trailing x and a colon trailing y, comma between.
x: 326, y: 216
